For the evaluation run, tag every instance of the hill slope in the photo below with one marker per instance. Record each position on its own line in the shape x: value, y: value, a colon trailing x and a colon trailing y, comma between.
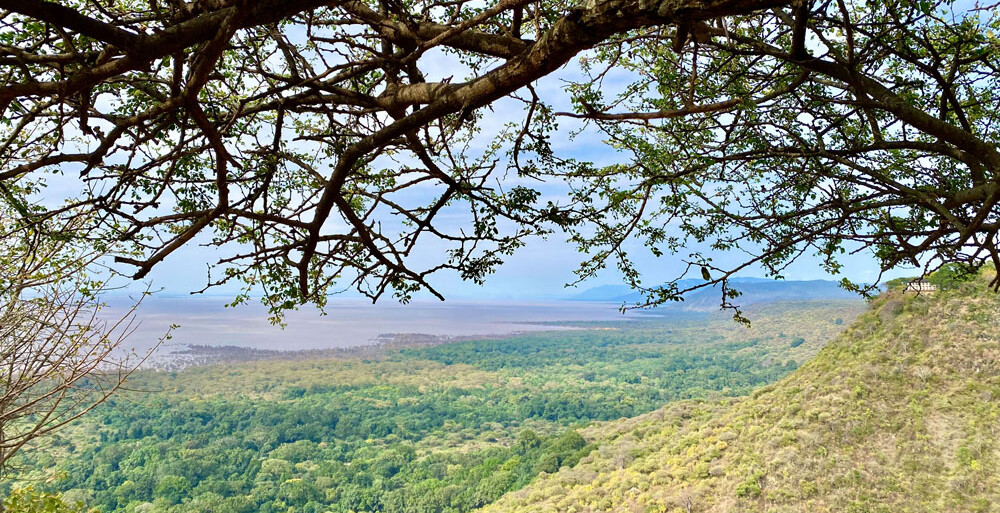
x: 900, y: 413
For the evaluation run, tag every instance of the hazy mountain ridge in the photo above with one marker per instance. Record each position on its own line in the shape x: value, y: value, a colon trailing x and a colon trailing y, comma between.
x: 897, y: 414
x: 753, y: 291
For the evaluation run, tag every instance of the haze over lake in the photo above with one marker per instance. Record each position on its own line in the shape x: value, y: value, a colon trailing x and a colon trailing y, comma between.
x: 348, y: 322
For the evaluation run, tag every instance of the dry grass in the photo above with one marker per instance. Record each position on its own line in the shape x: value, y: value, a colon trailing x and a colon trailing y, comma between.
x: 900, y: 413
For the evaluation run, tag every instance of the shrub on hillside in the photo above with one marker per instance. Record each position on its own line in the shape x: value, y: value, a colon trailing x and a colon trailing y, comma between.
x: 29, y: 500
x: 952, y: 275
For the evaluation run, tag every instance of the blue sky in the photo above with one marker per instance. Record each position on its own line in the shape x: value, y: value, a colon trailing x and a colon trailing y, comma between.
x: 540, y: 270
x: 543, y: 267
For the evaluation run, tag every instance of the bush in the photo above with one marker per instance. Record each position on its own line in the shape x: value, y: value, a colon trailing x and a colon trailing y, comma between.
x: 751, y: 487
x: 28, y: 500
x: 949, y: 276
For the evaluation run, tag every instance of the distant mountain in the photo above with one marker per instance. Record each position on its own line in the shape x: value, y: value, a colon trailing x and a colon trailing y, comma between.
x: 753, y: 291
x: 603, y: 293
x: 899, y: 413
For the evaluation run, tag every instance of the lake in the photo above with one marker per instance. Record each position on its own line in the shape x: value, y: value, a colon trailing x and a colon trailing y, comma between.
x: 347, y: 323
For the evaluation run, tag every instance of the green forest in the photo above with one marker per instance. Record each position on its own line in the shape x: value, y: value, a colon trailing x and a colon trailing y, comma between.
x: 447, y: 428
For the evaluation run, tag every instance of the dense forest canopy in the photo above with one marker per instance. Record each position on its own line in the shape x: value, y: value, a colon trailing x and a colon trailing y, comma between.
x: 295, y: 134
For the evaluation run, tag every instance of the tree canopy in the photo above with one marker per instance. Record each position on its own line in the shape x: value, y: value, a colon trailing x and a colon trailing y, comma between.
x: 318, y: 146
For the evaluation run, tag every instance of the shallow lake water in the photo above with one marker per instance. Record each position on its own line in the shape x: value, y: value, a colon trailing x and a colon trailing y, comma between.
x: 347, y: 323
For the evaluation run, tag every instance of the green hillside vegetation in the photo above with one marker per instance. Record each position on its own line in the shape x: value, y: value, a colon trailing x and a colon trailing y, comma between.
x: 899, y: 413
x: 437, y: 429
x: 948, y: 276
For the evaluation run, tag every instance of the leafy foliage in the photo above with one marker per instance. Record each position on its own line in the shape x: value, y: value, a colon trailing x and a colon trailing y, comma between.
x: 30, y: 500
x: 951, y: 276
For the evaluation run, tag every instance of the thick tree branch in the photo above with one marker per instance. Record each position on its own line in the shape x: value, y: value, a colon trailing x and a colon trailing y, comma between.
x: 66, y: 17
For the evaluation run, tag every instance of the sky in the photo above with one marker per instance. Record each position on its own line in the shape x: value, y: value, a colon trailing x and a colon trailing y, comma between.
x: 542, y: 268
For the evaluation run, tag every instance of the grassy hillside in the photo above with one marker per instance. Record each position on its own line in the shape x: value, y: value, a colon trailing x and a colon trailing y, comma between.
x: 899, y: 413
